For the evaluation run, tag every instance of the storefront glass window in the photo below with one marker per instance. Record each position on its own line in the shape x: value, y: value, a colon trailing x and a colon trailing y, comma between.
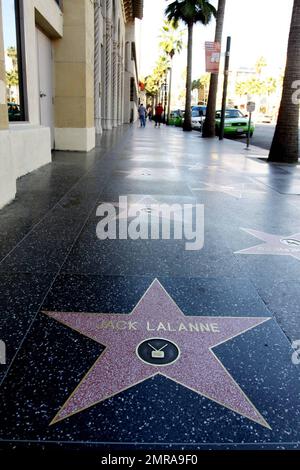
x: 13, y: 59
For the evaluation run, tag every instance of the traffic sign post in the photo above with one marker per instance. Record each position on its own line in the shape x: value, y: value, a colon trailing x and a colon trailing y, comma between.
x: 250, y: 109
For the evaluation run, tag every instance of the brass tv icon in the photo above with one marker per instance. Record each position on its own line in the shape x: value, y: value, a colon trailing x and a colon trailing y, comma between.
x: 157, y: 353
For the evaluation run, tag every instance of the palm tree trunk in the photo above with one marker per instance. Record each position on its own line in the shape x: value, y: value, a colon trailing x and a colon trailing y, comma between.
x: 285, y: 145
x: 187, y: 124
x: 209, y: 126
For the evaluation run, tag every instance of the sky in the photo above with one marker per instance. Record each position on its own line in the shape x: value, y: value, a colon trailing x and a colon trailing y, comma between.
x: 8, y: 13
x: 257, y: 28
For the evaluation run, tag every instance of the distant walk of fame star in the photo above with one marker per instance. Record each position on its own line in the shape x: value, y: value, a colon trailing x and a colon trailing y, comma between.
x: 148, y: 206
x: 165, y: 174
x: 273, y: 244
x: 238, y: 191
x: 158, y: 339
x: 200, y: 167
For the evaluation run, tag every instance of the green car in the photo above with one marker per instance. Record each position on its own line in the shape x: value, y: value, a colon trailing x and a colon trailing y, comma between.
x: 236, y: 123
x: 176, y: 118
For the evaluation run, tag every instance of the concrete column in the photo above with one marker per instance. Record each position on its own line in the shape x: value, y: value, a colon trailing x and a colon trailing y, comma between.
x: 119, y: 110
x: 121, y: 83
x: 122, y: 92
x: 107, y: 86
x: 115, y: 84
x: 7, y: 171
x: 74, y: 79
x: 97, y: 68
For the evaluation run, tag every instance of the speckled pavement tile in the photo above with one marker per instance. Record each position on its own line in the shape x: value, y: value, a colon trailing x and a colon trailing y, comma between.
x: 282, y: 297
x: 21, y: 296
x: 281, y: 184
x: 122, y: 344
x: 150, y: 257
x: 160, y: 410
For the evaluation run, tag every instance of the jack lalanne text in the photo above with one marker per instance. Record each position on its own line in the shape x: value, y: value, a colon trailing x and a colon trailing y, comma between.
x: 196, y: 327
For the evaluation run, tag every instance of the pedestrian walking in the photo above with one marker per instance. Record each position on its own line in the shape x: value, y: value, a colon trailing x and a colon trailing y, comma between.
x: 158, y: 114
x: 142, y: 115
x: 149, y: 112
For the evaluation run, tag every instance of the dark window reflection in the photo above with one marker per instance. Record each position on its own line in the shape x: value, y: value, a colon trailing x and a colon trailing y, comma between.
x: 13, y: 59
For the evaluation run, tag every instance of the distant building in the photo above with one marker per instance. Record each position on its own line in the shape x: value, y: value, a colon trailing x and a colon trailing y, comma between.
x: 264, y: 102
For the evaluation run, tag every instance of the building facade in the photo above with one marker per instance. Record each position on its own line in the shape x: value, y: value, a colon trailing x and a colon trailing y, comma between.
x: 68, y: 72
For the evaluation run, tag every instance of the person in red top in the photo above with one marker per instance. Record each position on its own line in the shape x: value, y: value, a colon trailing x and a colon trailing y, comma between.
x: 158, y: 115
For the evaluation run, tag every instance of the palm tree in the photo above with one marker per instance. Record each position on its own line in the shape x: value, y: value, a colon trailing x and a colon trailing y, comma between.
x: 190, y: 12
x: 270, y: 87
x: 160, y: 71
x: 171, y: 44
x: 209, y: 126
x: 151, y: 86
x: 285, y: 145
x: 154, y: 82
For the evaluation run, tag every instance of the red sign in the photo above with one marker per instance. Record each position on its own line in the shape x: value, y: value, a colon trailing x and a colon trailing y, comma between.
x: 212, y: 56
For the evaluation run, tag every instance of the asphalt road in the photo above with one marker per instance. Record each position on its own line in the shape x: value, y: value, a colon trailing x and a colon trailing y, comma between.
x: 263, y: 136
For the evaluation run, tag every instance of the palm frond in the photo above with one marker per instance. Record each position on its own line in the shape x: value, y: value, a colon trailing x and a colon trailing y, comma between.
x: 190, y: 11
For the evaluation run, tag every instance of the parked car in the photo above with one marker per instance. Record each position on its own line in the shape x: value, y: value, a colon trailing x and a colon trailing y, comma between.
x: 176, y: 118
x: 265, y: 118
x: 14, y: 112
x: 198, y: 116
x: 236, y: 123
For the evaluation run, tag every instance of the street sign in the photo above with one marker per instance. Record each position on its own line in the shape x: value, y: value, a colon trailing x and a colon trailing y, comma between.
x: 212, y: 56
x: 250, y: 109
x: 250, y: 106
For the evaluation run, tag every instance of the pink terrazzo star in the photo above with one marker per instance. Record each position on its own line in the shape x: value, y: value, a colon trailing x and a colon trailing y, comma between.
x: 156, y: 316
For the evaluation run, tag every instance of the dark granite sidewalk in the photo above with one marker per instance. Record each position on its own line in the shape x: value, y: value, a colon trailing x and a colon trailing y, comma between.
x: 79, y: 314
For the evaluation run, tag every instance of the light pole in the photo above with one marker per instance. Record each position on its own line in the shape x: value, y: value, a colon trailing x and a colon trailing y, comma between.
x: 166, y: 99
x: 170, y: 93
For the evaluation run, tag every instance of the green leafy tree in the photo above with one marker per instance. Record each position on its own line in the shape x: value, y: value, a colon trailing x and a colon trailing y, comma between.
x: 253, y: 86
x: 151, y: 87
x: 12, y: 54
x: 261, y: 63
x: 241, y: 88
x: 270, y: 85
x: 190, y: 12
x: 12, y: 79
x: 171, y: 39
x: 154, y: 81
x: 171, y: 44
x: 201, y: 85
